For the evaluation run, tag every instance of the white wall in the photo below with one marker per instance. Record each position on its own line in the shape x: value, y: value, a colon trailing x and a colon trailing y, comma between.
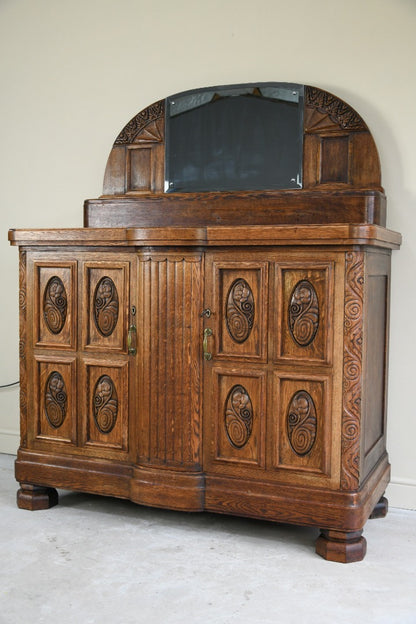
x: 73, y: 73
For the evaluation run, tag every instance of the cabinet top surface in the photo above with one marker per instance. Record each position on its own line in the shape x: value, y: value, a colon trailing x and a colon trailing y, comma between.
x: 211, y: 236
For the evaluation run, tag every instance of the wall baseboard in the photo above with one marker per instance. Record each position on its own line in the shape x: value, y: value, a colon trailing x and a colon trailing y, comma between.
x: 9, y: 441
x: 401, y: 493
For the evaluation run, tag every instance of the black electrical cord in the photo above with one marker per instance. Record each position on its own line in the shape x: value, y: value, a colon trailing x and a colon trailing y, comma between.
x: 15, y: 383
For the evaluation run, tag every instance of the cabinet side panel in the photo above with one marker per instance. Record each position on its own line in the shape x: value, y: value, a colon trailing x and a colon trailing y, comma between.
x: 375, y: 361
x: 170, y: 355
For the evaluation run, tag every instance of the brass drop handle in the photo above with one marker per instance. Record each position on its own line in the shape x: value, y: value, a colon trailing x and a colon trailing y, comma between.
x: 207, y: 333
x: 132, y: 334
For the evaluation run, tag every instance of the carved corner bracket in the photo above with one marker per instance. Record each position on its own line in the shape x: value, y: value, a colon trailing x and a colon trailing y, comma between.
x: 325, y: 111
x: 148, y: 125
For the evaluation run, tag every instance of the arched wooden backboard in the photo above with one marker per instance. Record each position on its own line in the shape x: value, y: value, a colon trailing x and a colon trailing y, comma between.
x: 338, y: 150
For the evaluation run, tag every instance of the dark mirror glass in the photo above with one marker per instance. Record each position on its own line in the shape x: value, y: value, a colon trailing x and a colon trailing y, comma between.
x: 246, y: 137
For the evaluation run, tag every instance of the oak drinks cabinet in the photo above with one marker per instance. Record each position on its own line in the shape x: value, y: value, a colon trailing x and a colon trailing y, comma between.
x: 215, y: 336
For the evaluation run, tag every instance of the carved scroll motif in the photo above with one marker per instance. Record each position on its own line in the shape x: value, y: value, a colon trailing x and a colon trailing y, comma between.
x: 301, y: 423
x: 353, y: 339
x: 22, y: 348
x: 55, y: 400
x: 55, y: 304
x: 303, y: 313
x: 106, y: 306
x: 239, y: 313
x: 147, y: 117
x: 105, y: 402
x: 238, y: 416
x: 339, y: 112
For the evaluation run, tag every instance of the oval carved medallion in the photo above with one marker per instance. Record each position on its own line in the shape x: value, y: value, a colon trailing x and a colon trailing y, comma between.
x: 106, y: 306
x: 238, y: 416
x: 301, y: 423
x: 55, y: 400
x: 303, y: 313
x: 55, y: 304
x: 239, y: 313
x: 105, y: 402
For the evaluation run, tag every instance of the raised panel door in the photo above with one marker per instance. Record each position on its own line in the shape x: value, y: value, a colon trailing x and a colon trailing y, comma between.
x: 235, y: 362
x: 108, y: 412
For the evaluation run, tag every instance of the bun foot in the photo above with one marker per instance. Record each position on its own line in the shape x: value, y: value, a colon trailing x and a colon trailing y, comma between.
x: 341, y: 546
x: 381, y: 509
x: 34, y: 497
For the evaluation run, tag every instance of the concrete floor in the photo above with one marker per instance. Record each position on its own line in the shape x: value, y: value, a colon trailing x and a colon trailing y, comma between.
x: 94, y: 560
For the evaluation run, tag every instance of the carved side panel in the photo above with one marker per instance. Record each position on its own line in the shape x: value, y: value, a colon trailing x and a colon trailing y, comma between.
x: 55, y: 304
x: 352, y: 388
x: 304, y: 311
x: 23, y: 347
x: 170, y: 327
x: 240, y: 296
x: 105, y: 408
x: 303, y: 443
x: 55, y: 385
x: 106, y: 302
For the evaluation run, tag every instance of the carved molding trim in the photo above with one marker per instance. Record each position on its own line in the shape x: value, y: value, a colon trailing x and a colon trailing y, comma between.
x: 146, y: 117
x: 238, y: 416
x: 55, y: 303
x: 106, y: 306
x: 105, y: 403
x: 301, y: 423
x: 55, y: 400
x: 303, y: 313
x: 339, y: 112
x: 22, y: 347
x: 239, y: 313
x: 353, y: 346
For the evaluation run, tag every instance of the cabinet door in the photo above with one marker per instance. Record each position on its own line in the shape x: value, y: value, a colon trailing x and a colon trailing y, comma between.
x: 50, y: 352
x: 273, y: 369
x: 79, y: 308
x: 106, y: 370
x: 235, y: 353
